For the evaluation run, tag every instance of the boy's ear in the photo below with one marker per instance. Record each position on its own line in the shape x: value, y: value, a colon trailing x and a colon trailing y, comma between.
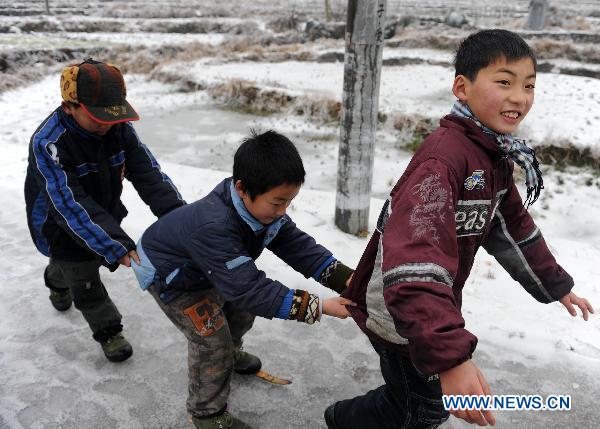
x: 67, y: 107
x: 459, y: 88
x: 239, y: 187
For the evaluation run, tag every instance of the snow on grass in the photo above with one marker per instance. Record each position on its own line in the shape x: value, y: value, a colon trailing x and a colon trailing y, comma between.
x: 567, y: 108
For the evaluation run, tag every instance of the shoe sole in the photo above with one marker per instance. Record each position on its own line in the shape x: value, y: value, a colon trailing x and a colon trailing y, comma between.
x: 247, y: 371
x: 60, y: 308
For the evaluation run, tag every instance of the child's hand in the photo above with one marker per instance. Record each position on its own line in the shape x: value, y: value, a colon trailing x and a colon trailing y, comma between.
x: 466, y: 379
x: 126, y: 259
x: 336, y: 307
x: 571, y: 300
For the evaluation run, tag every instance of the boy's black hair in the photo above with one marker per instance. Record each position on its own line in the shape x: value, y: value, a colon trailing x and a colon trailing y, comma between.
x: 265, y: 161
x: 481, y: 49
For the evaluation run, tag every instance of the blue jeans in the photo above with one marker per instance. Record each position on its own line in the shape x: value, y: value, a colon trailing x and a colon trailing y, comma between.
x: 408, y: 399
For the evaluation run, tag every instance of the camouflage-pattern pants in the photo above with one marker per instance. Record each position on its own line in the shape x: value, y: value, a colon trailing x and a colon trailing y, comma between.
x: 214, y: 329
x: 89, y: 294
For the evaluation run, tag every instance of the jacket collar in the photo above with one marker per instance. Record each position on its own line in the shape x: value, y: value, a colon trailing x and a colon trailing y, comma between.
x: 473, y: 133
x: 256, y: 226
x: 240, y: 208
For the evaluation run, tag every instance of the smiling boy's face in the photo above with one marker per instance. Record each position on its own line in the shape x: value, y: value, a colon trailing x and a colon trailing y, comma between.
x: 501, y: 94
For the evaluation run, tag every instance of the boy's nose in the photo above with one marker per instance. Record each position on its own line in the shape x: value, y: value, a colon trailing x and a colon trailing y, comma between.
x: 518, y: 97
x: 281, y: 210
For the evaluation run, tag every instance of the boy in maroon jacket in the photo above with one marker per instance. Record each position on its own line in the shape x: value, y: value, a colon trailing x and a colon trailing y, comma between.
x: 456, y: 195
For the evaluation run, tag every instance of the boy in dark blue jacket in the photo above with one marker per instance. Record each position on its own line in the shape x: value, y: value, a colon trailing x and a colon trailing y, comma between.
x: 78, y: 158
x: 198, y: 264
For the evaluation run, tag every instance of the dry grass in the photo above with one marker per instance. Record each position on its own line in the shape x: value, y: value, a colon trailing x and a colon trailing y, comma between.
x: 446, y: 41
x: 324, y: 109
x: 575, y: 23
x: 16, y: 66
x: 413, y: 129
x: 562, y: 154
x: 551, y: 49
x: 245, y: 96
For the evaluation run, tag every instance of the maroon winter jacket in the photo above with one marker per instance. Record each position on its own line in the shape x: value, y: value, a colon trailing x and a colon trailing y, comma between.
x: 456, y: 195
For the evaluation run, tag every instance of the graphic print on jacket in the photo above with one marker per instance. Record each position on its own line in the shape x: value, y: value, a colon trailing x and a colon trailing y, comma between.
x: 471, y: 217
x: 425, y: 214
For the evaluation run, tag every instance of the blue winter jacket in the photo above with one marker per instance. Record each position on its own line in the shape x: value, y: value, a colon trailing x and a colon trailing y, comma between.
x: 214, y: 242
x: 73, y: 189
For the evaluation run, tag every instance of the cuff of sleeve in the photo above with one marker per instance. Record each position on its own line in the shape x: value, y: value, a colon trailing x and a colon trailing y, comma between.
x: 339, y: 276
x: 320, y: 298
x: 430, y: 361
x: 305, y: 307
x: 322, y: 273
x: 286, y: 305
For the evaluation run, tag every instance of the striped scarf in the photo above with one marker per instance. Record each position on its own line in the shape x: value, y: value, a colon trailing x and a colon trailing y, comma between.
x: 516, y: 148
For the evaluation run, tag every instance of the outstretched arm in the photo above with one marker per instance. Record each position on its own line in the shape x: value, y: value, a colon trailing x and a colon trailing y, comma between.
x: 143, y: 170
x: 300, y: 251
x: 518, y: 245
x: 240, y: 282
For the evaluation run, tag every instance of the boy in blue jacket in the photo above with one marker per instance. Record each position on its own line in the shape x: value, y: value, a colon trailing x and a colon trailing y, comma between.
x: 78, y: 158
x: 198, y: 264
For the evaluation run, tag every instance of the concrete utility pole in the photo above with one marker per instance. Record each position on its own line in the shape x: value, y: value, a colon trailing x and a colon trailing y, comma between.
x: 360, y: 104
x: 537, y: 14
x: 47, y: 7
x: 327, y: 11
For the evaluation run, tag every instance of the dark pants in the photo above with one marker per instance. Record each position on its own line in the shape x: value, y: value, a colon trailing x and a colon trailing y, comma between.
x: 406, y: 400
x: 89, y: 295
x: 214, y: 329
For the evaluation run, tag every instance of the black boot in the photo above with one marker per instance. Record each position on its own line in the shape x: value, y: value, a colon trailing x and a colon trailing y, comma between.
x: 116, y: 348
x: 245, y: 363
x: 61, y: 299
x: 329, y: 416
x: 221, y: 421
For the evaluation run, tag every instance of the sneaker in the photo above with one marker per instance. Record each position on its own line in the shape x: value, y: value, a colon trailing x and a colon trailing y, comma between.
x: 61, y: 299
x: 221, y: 421
x: 116, y: 348
x: 329, y: 420
x: 245, y: 363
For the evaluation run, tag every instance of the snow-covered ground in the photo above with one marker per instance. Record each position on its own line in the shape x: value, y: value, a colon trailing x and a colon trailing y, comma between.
x: 73, y: 39
x: 52, y: 375
x: 566, y: 108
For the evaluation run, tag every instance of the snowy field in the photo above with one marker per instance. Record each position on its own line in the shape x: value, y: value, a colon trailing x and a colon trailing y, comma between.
x: 53, y: 375
x: 567, y: 108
